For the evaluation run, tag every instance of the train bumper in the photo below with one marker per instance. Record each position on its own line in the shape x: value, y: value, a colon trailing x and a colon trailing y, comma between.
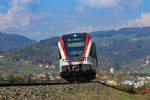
x: 78, y: 72
x: 77, y: 68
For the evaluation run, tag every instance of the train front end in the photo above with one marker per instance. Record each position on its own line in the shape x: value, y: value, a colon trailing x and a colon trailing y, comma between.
x: 78, y: 60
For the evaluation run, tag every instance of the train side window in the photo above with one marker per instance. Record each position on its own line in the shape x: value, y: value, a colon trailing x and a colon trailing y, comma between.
x: 59, y: 55
x: 93, y: 51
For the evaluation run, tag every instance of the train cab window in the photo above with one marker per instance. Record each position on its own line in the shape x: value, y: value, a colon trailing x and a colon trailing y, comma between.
x: 93, y: 51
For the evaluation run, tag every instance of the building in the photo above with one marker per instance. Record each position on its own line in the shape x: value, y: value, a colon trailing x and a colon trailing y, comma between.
x: 111, y: 70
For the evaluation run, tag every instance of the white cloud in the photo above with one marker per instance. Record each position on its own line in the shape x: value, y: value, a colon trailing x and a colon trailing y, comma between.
x: 143, y: 21
x: 80, y: 9
x: 133, y: 4
x: 99, y: 3
x: 110, y: 3
x: 17, y: 16
x: 87, y: 29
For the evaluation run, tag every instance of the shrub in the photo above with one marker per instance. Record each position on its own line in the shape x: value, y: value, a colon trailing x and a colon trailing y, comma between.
x: 141, y: 90
x: 126, y: 88
x: 17, y: 79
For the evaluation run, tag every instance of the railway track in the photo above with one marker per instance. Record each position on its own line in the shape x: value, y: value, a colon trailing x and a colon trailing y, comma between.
x: 45, y: 83
x: 30, y: 84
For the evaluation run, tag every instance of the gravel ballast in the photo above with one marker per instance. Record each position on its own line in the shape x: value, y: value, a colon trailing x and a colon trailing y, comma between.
x: 85, y: 91
x: 42, y: 92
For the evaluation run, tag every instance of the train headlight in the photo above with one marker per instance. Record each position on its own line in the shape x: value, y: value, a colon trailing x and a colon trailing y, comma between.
x: 85, y: 58
x: 65, y: 60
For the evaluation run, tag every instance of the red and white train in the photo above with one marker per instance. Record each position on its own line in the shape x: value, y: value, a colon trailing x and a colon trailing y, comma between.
x: 77, y: 57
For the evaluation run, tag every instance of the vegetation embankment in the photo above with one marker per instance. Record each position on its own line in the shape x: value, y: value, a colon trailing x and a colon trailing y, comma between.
x: 127, y: 83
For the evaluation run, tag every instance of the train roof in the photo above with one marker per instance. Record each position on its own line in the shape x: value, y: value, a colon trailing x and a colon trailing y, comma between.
x: 73, y: 34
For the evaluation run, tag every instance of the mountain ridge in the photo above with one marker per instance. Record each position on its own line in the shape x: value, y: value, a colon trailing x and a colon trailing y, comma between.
x: 14, y: 41
x: 114, y: 48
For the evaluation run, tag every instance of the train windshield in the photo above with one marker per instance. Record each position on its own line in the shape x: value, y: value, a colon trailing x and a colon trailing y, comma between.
x: 74, y: 45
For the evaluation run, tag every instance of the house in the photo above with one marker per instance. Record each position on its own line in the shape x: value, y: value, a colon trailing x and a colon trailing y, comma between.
x: 111, y: 70
x: 130, y: 83
x: 147, y: 61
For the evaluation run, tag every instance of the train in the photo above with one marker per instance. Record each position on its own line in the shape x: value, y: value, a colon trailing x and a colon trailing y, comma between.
x: 77, y: 57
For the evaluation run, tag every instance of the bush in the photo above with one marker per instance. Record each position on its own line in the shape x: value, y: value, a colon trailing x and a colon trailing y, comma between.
x: 142, y: 90
x: 126, y: 88
x: 17, y: 79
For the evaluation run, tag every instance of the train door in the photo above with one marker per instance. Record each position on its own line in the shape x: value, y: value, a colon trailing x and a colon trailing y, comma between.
x: 93, y: 55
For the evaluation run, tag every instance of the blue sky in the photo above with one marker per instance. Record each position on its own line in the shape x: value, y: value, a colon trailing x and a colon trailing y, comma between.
x: 42, y: 19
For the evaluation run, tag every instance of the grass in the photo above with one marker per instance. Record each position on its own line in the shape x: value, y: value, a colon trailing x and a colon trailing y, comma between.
x: 104, y: 93
x: 20, y: 68
x: 145, y: 68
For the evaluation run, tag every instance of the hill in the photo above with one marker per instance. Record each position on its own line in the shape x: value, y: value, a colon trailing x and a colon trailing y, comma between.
x: 14, y: 41
x: 123, y: 33
x: 123, y: 46
x: 115, y: 48
x: 45, y: 52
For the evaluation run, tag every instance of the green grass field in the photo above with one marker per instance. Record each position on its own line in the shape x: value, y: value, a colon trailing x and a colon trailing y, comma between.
x: 102, y: 93
x: 144, y: 68
x: 105, y: 95
x: 19, y: 68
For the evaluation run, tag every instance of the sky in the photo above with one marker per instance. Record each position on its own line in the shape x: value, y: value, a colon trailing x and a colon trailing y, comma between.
x: 42, y: 19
